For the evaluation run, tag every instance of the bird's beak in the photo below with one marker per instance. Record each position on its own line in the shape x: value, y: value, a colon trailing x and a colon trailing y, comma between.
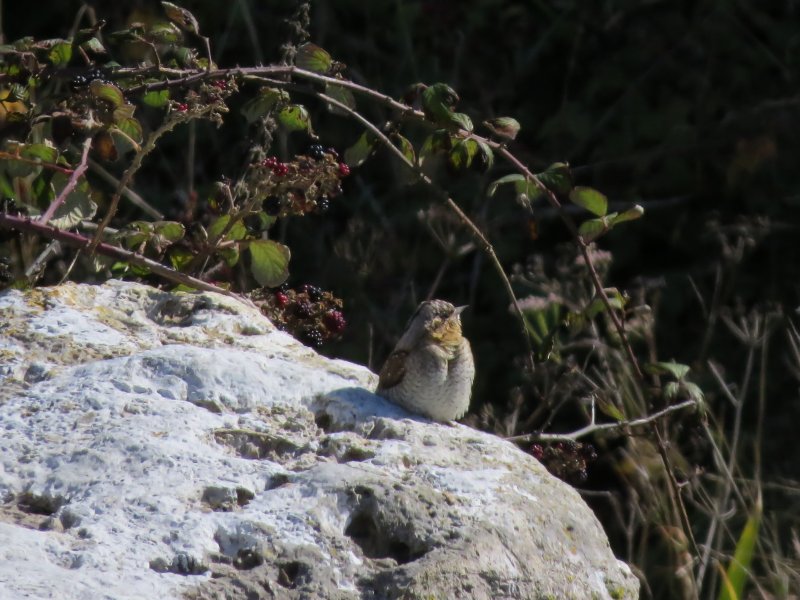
x: 460, y: 309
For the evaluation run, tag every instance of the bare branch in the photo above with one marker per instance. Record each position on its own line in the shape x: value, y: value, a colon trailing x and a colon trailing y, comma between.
x: 620, y: 426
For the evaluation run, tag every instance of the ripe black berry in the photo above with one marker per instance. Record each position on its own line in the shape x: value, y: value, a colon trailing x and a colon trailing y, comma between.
x: 312, y: 337
x: 323, y: 204
x: 272, y: 206
x: 314, y: 293
x: 316, y: 151
x: 304, y: 310
x: 334, y: 321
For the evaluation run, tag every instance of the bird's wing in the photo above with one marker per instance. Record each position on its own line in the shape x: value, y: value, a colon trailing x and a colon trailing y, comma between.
x: 393, y: 370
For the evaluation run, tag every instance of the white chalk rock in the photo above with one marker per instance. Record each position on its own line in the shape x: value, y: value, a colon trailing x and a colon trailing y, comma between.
x: 158, y: 445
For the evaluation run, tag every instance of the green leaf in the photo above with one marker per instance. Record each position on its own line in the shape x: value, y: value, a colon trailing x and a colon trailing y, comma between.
x: 93, y: 46
x: 590, y: 199
x: 60, y: 54
x: 505, y: 128
x: 677, y: 370
x: 230, y: 255
x: 629, y: 215
x: 593, y: 228
x: 406, y: 148
x: 356, y: 154
x: 597, y: 306
x: 693, y: 391
x: 557, y: 178
x: 156, y: 99
x: 343, y: 95
x: 672, y: 391
x: 609, y: 409
x: 164, y: 33
x: 542, y: 321
x: 121, y: 142
x: 180, y: 257
x: 264, y: 102
x: 44, y: 152
x: 180, y: 16
x: 171, y: 231
x: 462, y: 153
x: 438, y: 101
x: 514, y: 178
x: 485, y: 154
x: 269, y: 262
x: 77, y: 206
x: 738, y: 570
x: 294, y: 118
x: 461, y: 120
x: 107, y: 91
x: 135, y: 234
x: 124, y: 111
x: 237, y: 231
x: 438, y: 141
x: 132, y: 128
x: 311, y: 57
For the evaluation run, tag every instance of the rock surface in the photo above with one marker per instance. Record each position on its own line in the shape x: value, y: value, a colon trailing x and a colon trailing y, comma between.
x: 158, y: 445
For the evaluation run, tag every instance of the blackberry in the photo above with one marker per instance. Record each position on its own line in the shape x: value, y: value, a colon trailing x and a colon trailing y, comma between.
x: 312, y: 337
x: 284, y: 287
x: 316, y: 151
x: 83, y: 79
x: 272, y: 206
x: 334, y: 321
x: 323, y: 204
x: 304, y: 310
x: 332, y: 152
x: 314, y: 293
x: 344, y: 170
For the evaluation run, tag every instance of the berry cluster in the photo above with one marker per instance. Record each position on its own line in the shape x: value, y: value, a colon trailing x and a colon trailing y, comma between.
x: 567, y: 460
x: 278, y: 168
x: 303, y: 185
x: 311, y: 314
x: 81, y: 80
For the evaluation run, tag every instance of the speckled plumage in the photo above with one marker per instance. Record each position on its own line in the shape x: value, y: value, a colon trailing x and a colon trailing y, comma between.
x: 431, y: 369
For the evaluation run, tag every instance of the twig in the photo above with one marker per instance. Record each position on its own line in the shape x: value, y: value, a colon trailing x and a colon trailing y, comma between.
x: 135, y: 198
x: 127, y: 177
x: 73, y: 181
x: 595, y: 427
x: 74, y: 239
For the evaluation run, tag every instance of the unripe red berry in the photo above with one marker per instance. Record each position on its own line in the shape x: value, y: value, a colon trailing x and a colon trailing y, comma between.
x: 281, y: 299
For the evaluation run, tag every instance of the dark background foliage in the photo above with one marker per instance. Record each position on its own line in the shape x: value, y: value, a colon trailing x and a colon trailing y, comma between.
x: 687, y: 108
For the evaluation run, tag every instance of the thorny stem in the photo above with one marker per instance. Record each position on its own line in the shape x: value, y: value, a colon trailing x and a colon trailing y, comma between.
x: 8, y: 221
x: 73, y: 181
